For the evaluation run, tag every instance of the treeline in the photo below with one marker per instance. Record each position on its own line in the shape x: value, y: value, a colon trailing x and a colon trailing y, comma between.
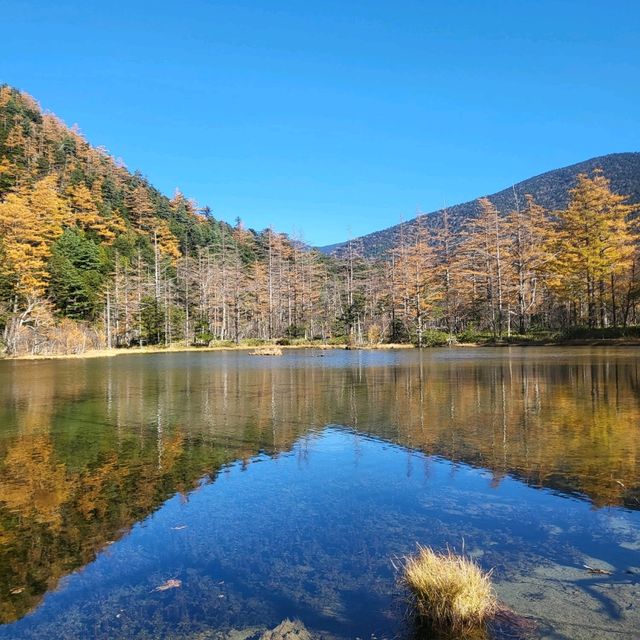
x: 93, y: 256
x: 529, y: 269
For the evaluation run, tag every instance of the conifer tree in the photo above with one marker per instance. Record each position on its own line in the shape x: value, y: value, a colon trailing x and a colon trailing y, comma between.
x: 592, y: 246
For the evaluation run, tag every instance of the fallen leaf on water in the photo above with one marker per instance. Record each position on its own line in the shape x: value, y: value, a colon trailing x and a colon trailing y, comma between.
x: 603, y: 572
x: 169, y: 584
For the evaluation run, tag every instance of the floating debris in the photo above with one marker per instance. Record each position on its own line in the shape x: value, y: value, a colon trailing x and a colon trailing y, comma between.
x: 595, y: 570
x: 169, y: 584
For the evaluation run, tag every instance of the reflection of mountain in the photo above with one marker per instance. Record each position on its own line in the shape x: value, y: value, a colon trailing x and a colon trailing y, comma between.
x: 88, y: 449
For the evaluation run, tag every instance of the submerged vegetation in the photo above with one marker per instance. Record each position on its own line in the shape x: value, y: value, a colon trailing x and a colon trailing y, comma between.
x: 92, y: 256
x: 91, y: 447
x: 450, y: 591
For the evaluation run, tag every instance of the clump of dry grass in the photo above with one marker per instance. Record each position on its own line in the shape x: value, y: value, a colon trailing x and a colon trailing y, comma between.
x: 449, y: 590
x: 267, y: 351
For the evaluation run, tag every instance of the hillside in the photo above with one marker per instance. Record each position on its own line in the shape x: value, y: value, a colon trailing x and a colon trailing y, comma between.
x: 550, y: 189
x: 103, y: 197
x: 93, y: 256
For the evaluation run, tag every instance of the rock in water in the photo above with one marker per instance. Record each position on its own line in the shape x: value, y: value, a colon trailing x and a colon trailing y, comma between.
x: 288, y: 630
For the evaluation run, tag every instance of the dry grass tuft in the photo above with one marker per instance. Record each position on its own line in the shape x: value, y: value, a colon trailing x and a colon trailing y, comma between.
x: 267, y: 351
x: 450, y: 591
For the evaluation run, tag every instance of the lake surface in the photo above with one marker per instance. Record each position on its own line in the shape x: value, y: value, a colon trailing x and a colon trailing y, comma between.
x: 286, y: 487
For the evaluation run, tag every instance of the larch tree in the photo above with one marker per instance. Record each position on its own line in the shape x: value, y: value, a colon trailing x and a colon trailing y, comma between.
x: 529, y: 230
x: 593, y: 246
x: 485, y: 250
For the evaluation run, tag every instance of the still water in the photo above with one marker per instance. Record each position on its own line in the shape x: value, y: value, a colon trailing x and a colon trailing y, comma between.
x: 286, y: 487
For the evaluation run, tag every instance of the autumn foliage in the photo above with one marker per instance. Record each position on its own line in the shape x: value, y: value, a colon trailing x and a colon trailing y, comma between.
x: 88, y: 247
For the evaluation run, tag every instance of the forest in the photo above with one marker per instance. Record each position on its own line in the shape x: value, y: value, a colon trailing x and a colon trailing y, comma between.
x: 92, y: 256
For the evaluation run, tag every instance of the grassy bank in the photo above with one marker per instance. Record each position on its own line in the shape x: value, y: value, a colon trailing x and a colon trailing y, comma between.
x: 577, y: 336
x: 248, y: 345
x: 574, y: 337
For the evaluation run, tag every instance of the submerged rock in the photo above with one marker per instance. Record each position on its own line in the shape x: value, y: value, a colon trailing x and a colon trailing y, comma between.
x: 288, y: 630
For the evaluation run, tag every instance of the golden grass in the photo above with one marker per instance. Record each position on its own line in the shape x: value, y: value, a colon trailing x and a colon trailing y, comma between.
x: 267, y: 351
x: 449, y: 590
x: 180, y: 347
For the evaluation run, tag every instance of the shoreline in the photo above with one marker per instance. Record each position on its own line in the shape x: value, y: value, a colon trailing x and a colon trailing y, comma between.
x: 111, y: 353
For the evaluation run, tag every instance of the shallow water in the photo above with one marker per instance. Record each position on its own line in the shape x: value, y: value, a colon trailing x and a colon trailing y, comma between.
x: 286, y: 487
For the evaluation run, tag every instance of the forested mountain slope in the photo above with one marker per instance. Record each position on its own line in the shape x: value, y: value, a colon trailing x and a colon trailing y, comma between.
x: 84, y: 239
x: 93, y: 256
x: 550, y: 190
x: 95, y: 192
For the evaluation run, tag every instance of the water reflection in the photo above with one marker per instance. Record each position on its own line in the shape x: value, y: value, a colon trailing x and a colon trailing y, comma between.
x: 89, y: 448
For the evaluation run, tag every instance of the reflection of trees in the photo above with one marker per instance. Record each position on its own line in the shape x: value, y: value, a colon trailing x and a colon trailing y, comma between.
x: 91, y: 449
x: 571, y: 427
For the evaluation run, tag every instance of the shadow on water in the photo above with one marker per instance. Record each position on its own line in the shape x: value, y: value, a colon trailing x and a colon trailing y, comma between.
x: 223, y: 474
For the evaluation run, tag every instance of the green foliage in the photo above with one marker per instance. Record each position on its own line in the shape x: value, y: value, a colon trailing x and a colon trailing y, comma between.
x: 160, y: 324
x: 603, y: 333
x: 76, y: 268
x: 435, y: 338
x: 398, y: 332
x: 7, y: 281
x: 254, y: 342
x: 471, y: 336
x: 202, y: 334
x: 153, y: 325
x: 296, y: 331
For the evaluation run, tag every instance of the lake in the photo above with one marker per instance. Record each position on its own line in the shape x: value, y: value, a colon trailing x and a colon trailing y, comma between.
x: 275, y: 487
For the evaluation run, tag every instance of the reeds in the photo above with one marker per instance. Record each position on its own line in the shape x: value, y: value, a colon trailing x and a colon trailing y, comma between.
x: 449, y: 591
x: 267, y: 351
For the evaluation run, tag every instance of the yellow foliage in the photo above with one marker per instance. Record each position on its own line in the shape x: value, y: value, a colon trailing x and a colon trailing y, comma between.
x: 35, y: 485
x: 593, y: 240
x: 85, y: 213
x: 30, y: 221
x: 167, y: 242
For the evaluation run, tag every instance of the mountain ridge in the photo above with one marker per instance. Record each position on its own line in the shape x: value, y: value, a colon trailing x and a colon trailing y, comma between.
x: 550, y: 189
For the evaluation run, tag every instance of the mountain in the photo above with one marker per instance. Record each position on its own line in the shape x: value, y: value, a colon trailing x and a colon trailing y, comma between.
x: 550, y: 189
x: 106, y: 200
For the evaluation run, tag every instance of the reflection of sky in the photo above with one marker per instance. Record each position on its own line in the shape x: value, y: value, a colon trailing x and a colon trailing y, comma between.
x: 312, y: 534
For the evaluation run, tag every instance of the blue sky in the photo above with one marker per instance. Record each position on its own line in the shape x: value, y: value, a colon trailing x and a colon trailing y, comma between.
x: 330, y: 118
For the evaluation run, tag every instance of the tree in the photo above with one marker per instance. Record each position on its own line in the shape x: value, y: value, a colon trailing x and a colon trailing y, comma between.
x: 76, y: 277
x: 484, y: 250
x: 30, y: 222
x: 592, y: 246
x: 529, y: 230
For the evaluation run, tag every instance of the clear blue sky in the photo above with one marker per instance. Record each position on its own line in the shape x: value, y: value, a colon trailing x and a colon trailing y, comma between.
x: 334, y: 118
